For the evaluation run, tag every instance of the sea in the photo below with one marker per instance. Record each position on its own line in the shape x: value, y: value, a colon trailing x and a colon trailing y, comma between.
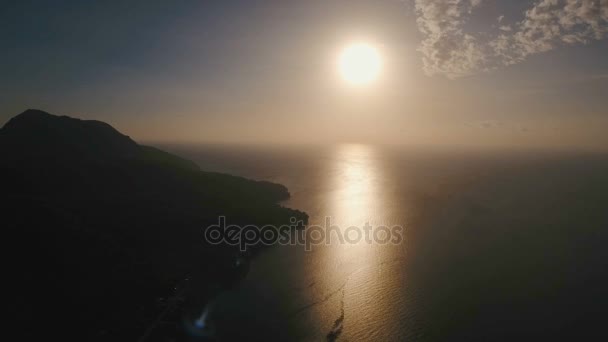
x: 497, y: 244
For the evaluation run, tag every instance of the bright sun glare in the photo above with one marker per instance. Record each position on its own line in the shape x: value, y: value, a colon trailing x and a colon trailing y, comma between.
x: 360, y: 64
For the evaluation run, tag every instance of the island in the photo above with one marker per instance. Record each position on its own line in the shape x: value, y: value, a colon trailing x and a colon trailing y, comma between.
x: 104, y: 235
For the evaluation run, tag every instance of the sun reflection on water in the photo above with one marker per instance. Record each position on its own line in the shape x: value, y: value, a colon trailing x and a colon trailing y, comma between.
x: 355, y: 193
x: 362, y: 272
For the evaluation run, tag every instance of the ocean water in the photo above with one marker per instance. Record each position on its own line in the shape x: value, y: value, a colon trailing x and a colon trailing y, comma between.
x: 498, y: 245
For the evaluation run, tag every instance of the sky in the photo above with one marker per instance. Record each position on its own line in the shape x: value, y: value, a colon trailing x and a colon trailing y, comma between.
x: 454, y: 72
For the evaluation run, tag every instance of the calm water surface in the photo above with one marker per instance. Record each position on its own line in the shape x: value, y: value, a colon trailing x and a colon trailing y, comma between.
x: 486, y: 255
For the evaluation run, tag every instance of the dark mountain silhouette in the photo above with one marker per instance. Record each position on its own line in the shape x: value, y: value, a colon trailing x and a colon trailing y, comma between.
x: 37, y: 133
x: 102, y: 230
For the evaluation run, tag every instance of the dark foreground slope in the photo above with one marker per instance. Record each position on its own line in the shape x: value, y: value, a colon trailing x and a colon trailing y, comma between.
x: 102, y: 233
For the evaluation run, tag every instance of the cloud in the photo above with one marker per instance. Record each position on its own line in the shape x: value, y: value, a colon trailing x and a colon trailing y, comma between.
x: 449, y: 50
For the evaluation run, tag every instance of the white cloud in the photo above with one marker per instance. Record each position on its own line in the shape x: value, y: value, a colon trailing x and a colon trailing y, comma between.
x: 447, y: 49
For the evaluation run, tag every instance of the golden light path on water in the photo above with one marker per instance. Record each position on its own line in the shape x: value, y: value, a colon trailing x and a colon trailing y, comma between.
x: 354, y: 290
x: 365, y: 271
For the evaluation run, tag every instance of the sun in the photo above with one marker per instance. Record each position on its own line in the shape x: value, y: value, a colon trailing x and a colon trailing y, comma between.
x: 360, y: 64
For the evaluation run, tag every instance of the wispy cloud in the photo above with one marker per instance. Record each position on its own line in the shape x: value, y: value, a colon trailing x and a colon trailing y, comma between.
x: 449, y: 50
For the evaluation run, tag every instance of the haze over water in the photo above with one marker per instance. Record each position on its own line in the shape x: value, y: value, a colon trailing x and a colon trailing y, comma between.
x: 493, y: 249
x: 501, y: 180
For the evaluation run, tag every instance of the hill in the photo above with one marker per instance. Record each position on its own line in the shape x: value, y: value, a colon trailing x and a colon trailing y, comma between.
x: 104, y: 230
